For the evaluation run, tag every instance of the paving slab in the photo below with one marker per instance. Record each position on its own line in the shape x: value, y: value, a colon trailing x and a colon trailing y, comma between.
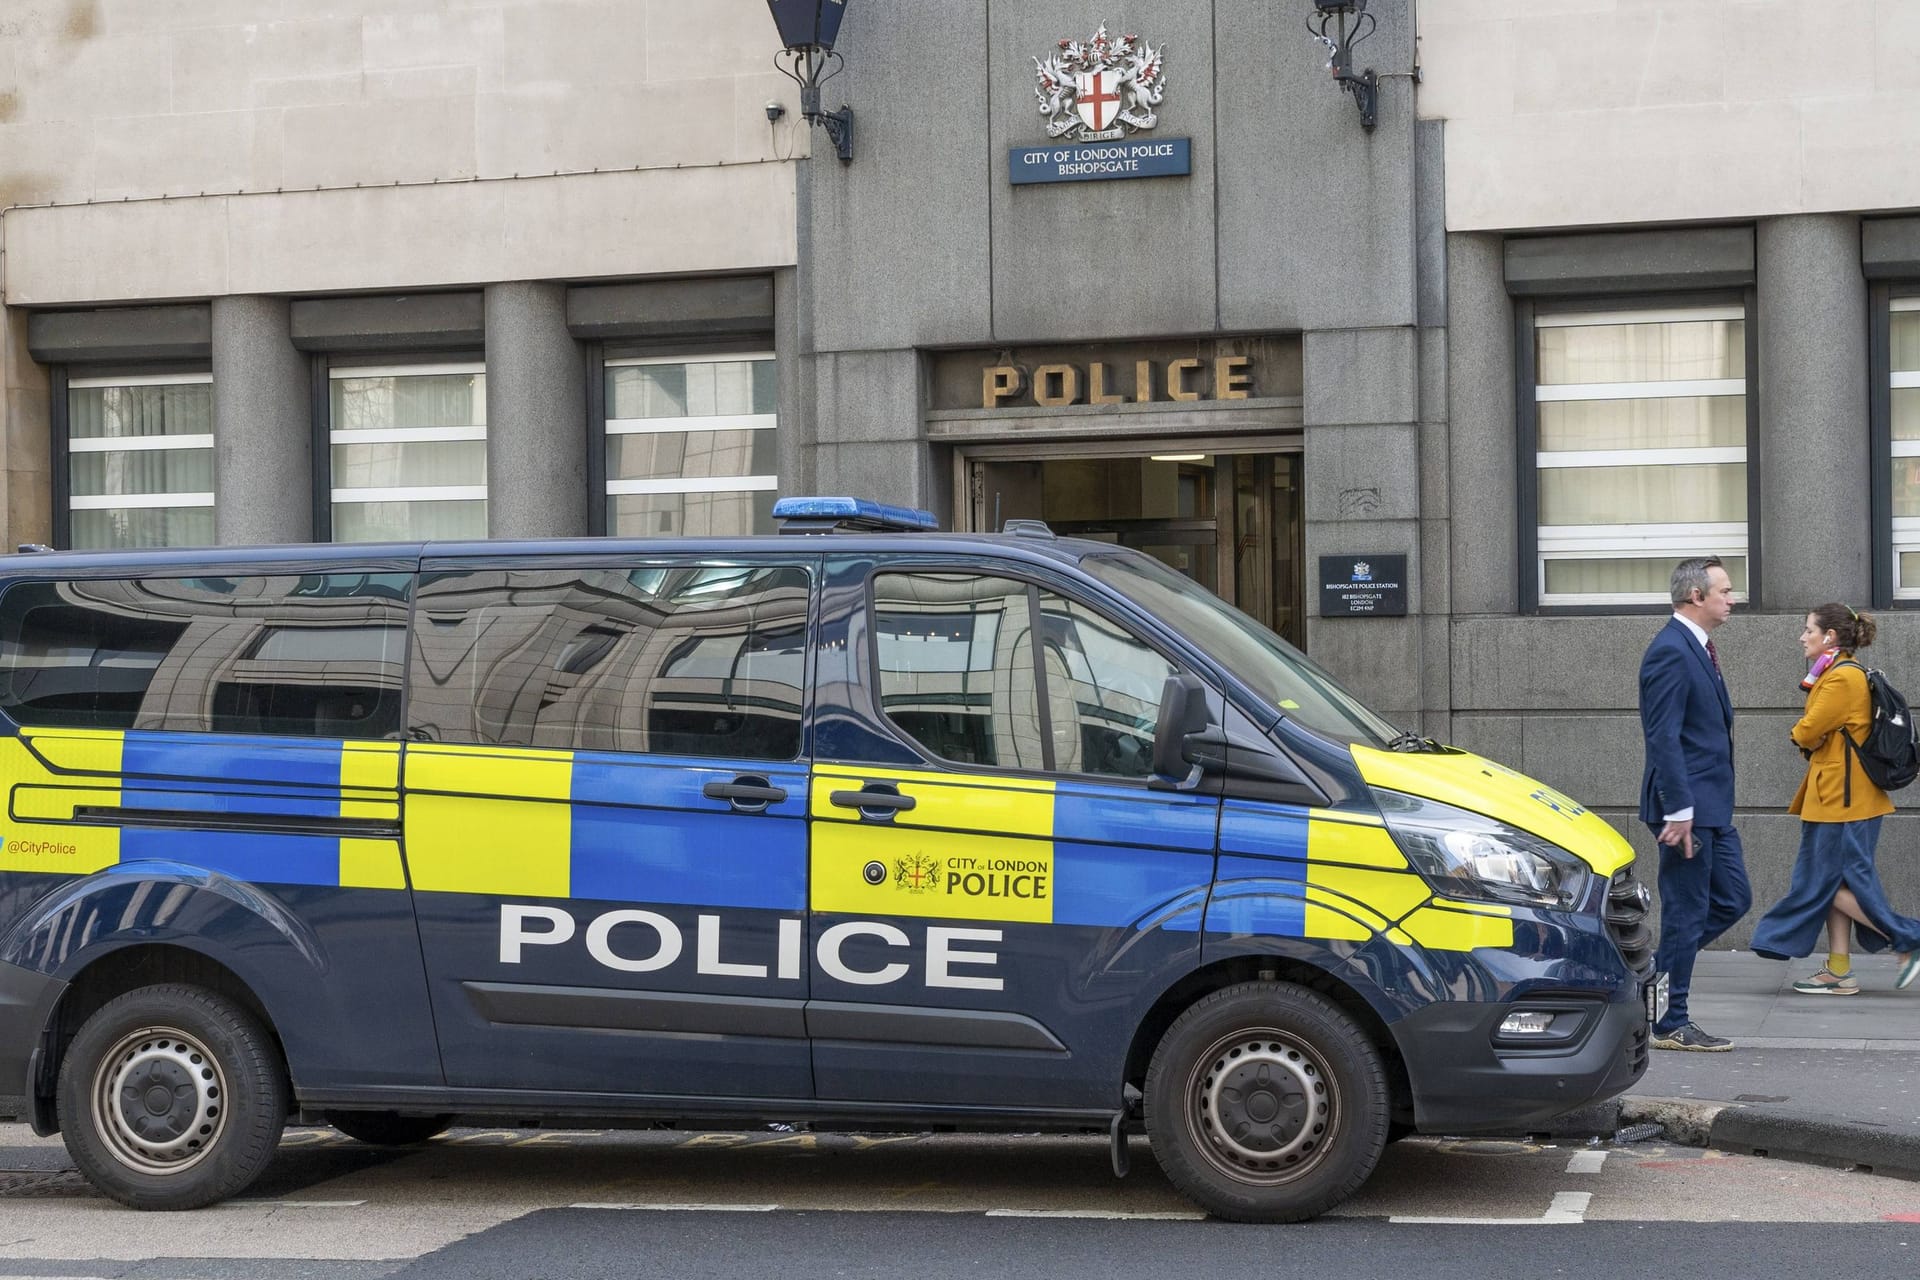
x: 1826, y: 1079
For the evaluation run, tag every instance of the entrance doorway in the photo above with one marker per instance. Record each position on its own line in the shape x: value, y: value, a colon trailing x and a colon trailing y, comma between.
x: 1231, y: 521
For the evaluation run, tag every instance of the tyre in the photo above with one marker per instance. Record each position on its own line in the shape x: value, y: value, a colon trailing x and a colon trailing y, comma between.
x: 172, y: 1097
x: 1266, y: 1103
x: 387, y: 1128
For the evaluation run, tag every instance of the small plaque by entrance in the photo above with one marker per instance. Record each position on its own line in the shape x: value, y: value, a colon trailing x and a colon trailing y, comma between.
x: 1363, y: 586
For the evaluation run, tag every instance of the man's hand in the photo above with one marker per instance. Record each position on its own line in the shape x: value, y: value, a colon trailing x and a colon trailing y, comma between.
x: 1678, y: 833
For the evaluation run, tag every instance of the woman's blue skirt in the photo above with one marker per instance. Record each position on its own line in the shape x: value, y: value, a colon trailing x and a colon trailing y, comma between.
x: 1833, y: 854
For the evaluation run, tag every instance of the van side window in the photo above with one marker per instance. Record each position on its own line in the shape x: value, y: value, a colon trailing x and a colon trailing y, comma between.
x: 313, y: 655
x: 699, y: 660
x: 1110, y: 684
x: 959, y: 674
x: 955, y: 657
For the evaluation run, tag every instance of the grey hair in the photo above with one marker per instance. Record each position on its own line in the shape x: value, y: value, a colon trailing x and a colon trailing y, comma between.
x: 1690, y: 576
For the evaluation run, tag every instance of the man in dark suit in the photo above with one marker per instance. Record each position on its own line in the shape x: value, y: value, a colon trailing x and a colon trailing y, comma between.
x: 1686, y: 797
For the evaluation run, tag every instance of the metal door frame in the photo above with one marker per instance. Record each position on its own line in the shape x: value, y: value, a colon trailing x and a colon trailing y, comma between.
x: 965, y: 519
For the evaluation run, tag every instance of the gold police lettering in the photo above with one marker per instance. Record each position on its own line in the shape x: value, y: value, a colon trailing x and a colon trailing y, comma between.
x: 1048, y: 385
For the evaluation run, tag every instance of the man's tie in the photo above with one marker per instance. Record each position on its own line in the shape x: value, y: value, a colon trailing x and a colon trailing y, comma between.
x: 1714, y: 658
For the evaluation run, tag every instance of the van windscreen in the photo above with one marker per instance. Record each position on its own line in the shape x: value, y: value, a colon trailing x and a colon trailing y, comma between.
x: 1279, y: 673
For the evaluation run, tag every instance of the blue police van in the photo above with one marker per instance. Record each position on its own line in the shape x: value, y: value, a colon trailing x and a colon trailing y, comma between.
x: 881, y: 828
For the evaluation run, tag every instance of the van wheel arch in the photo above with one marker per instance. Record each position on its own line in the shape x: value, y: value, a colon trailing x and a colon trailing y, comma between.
x: 1203, y: 982
x: 112, y: 976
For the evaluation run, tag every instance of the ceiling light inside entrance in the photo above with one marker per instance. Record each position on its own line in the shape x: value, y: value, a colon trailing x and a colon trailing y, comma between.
x: 1177, y: 457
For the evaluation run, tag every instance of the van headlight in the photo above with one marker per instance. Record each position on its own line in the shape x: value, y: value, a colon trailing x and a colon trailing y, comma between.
x: 1464, y: 854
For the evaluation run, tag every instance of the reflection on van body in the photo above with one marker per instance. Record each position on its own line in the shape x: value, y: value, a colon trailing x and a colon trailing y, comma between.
x: 701, y: 661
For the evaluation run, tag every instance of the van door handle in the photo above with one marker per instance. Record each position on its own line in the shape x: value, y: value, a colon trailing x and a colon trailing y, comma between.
x: 748, y: 793
x: 879, y: 800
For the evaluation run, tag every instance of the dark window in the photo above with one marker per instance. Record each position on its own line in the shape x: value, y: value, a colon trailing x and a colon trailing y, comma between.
x: 674, y: 660
x: 316, y: 655
x: 958, y: 673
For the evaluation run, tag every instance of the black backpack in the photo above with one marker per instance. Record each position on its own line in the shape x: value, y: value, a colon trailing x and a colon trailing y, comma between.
x: 1890, y: 754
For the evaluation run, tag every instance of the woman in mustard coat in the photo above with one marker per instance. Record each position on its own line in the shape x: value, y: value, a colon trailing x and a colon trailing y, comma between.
x: 1835, y: 883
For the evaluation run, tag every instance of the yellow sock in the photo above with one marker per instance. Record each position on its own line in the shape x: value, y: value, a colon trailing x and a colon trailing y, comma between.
x: 1838, y: 965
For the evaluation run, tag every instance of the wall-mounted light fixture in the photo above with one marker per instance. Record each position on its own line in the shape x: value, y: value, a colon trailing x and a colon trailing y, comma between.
x: 1328, y: 25
x: 808, y: 29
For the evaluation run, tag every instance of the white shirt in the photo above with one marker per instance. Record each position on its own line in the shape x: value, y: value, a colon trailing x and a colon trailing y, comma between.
x: 1700, y: 634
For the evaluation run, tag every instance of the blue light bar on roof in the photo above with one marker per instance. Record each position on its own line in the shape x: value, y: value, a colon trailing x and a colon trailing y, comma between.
x: 817, y: 515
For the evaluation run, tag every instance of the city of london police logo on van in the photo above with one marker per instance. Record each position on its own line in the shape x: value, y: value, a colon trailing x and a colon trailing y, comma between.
x: 917, y: 874
x: 1101, y: 88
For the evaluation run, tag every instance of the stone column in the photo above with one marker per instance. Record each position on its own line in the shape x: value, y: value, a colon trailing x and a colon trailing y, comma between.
x: 262, y: 425
x: 1481, y: 426
x: 536, y: 415
x: 26, y: 479
x: 1362, y: 498
x: 1813, y: 461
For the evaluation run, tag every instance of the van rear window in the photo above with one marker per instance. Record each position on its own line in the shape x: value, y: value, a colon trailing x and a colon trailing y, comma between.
x: 312, y: 655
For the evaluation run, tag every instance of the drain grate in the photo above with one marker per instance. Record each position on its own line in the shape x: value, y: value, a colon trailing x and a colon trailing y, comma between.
x: 43, y: 1185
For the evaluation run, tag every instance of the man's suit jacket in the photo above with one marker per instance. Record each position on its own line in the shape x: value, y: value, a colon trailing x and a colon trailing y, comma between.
x: 1686, y: 718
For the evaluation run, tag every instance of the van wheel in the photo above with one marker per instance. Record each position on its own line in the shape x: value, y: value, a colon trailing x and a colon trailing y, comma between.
x: 1265, y: 1103
x: 172, y: 1097
x: 387, y: 1128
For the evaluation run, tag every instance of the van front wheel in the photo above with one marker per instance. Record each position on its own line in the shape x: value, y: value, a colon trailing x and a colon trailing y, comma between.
x: 1265, y: 1103
x: 172, y: 1097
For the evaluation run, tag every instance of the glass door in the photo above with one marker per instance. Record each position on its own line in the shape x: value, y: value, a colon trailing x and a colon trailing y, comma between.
x: 1229, y: 521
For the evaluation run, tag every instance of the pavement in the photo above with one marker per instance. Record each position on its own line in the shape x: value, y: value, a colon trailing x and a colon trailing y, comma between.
x: 1832, y: 1080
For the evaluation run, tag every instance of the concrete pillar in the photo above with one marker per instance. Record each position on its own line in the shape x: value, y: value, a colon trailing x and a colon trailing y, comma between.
x: 536, y: 415
x: 262, y: 425
x: 1481, y: 425
x: 1814, y: 466
x: 1361, y: 495
x: 795, y: 368
x: 26, y: 479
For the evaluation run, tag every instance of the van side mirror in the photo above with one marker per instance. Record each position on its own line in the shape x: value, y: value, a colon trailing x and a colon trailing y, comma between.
x: 1183, y: 715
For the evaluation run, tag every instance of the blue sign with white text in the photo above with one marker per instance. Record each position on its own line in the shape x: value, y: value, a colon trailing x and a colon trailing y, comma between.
x: 1095, y: 161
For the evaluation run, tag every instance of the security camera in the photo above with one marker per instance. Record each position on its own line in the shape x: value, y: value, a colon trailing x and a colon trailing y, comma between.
x: 774, y: 112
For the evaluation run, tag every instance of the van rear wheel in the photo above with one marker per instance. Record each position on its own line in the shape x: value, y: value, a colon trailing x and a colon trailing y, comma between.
x: 387, y: 1128
x: 1266, y: 1103
x: 172, y: 1097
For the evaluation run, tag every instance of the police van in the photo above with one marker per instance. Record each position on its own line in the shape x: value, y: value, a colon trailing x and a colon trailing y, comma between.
x: 884, y: 828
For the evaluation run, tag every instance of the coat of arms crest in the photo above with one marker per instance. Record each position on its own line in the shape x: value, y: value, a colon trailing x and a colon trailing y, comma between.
x: 1100, y: 88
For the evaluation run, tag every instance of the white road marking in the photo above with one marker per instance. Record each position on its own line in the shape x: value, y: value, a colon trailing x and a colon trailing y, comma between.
x: 1111, y: 1215
x: 683, y: 1208
x: 1567, y: 1207
x: 288, y: 1204
x: 1587, y: 1162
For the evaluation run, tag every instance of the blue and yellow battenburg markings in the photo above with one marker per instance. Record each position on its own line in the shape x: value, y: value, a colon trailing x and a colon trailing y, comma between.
x: 530, y: 822
x: 1021, y: 850
x: 514, y: 822
x: 50, y: 773
x: 1299, y: 873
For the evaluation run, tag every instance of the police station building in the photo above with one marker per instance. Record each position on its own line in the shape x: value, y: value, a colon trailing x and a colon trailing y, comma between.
x: 1436, y: 370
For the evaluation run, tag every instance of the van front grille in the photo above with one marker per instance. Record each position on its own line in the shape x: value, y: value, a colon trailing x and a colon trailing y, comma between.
x: 1628, y: 903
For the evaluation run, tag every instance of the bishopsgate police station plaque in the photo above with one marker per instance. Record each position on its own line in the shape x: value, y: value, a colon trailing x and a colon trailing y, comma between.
x: 1363, y: 586
x: 1098, y: 96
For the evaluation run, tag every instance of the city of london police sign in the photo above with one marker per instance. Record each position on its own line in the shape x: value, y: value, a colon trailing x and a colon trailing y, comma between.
x: 1096, y: 95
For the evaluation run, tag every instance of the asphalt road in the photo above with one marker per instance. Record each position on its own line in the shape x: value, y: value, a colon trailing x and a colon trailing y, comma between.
x: 479, y: 1204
